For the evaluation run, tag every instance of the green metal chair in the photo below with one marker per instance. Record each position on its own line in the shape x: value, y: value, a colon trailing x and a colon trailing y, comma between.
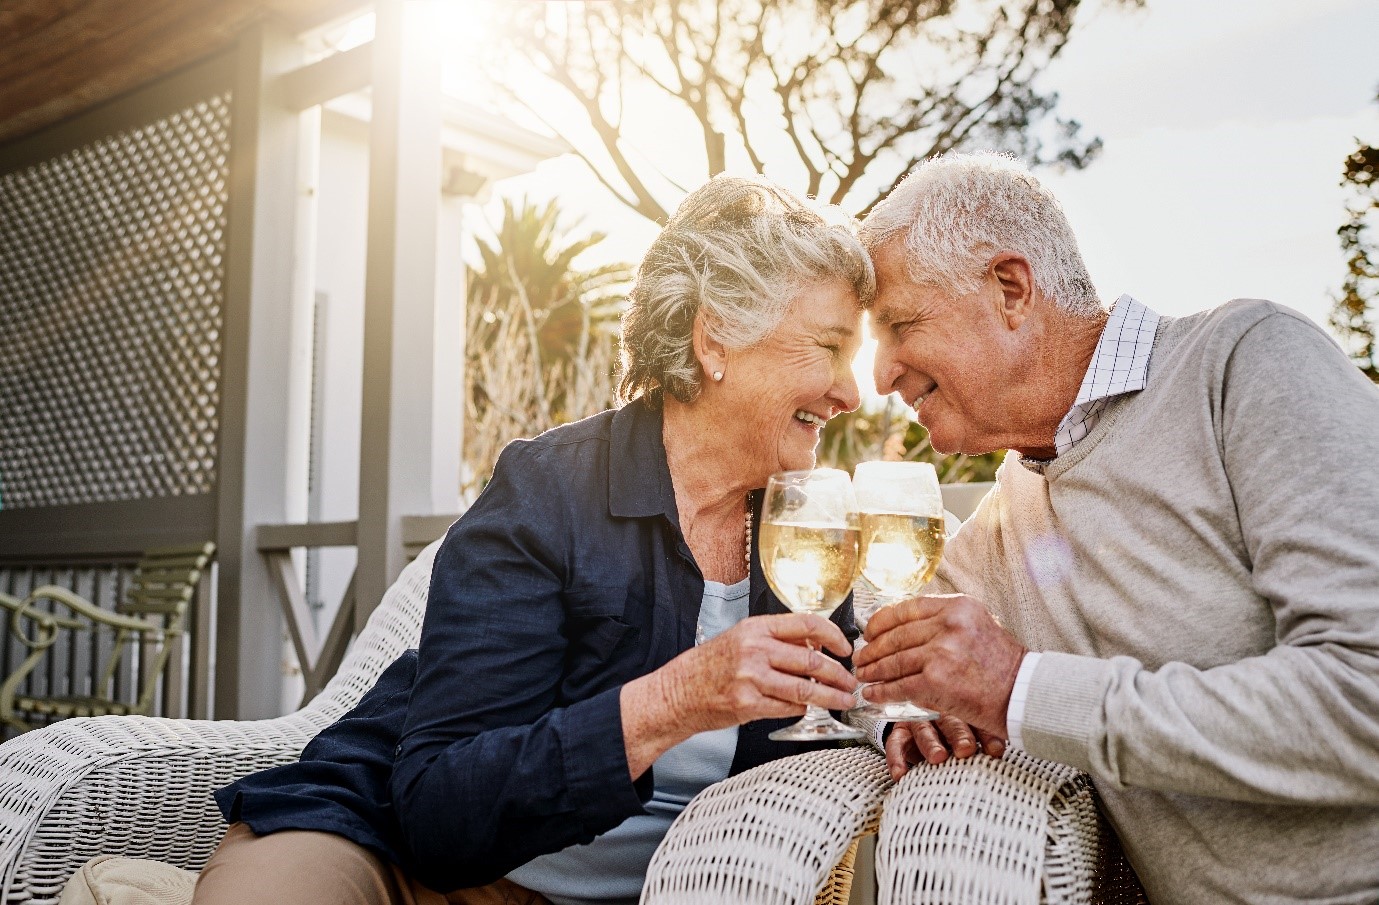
x: 152, y: 615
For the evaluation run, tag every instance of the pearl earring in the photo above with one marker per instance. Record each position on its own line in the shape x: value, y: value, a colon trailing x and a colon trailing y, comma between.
x: 717, y: 375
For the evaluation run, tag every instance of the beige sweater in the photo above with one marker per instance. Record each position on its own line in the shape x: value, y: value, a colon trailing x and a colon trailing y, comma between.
x: 1203, y: 570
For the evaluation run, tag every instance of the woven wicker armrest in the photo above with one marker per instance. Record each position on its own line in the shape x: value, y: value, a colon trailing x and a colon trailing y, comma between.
x: 772, y: 834
x: 1014, y: 830
x: 134, y: 786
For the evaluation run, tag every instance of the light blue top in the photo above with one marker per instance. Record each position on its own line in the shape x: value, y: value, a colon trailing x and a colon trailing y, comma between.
x: 612, y: 868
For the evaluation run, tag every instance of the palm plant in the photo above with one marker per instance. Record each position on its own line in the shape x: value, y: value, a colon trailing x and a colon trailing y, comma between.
x: 541, y: 346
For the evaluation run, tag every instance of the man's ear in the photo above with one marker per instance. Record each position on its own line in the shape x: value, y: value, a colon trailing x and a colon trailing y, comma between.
x: 709, y: 352
x: 1011, y: 273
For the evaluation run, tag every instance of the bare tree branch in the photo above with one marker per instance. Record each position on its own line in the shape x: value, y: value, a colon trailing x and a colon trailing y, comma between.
x: 861, y: 86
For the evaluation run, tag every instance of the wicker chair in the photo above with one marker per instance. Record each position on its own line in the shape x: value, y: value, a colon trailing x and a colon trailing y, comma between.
x: 1014, y: 831
x: 141, y: 787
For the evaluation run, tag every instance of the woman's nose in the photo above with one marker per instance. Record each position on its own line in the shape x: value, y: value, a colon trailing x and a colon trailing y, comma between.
x: 845, y: 389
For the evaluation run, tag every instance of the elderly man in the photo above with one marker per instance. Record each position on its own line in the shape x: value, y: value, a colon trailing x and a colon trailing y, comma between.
x: 1174, y: 585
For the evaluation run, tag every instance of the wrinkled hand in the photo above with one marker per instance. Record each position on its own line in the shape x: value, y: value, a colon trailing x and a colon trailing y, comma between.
x: 758, y: 669
x: 909, y: 743
x: 944, y: 652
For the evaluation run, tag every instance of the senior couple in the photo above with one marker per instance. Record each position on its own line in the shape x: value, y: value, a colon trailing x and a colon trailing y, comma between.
x: 1174, y: 585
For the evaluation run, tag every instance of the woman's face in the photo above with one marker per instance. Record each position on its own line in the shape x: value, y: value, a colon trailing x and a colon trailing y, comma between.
x: 776, y: 396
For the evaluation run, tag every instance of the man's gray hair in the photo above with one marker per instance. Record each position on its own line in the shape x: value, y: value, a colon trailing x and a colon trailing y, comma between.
x: 958, y: 211
x: 739, y: 249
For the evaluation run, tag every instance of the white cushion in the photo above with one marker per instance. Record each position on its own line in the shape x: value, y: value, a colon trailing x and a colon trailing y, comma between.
x: 111, y: 880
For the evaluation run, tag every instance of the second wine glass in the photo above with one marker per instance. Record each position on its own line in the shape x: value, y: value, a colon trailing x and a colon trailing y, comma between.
x: 902, y: 540
x: 809, y: 554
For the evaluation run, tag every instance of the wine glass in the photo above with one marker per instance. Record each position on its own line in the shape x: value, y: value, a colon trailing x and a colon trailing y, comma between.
x: 902, y: 537
x: 809, y: 554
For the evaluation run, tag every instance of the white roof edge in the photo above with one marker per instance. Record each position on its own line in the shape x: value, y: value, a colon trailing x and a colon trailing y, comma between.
x: 499, y: 146
x: 463, y: 115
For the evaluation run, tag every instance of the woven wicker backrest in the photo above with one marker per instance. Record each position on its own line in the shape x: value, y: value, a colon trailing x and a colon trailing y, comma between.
x: 393, y: 627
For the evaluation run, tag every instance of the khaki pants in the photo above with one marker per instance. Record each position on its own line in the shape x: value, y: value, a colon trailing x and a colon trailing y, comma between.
x: 309, y: 868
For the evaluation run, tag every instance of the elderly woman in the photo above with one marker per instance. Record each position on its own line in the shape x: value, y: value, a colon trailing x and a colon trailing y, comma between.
x: 599, y: 643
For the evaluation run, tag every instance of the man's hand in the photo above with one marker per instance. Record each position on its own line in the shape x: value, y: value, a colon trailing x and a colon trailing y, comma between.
x: 944, y: 652
x: 909, y: 743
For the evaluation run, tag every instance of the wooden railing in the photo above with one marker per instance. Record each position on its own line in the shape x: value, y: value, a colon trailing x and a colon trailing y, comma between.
x: 319, y: 654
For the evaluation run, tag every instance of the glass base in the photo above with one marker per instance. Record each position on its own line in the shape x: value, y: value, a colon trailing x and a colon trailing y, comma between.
x: 816, y: 729
x: 902, y: 711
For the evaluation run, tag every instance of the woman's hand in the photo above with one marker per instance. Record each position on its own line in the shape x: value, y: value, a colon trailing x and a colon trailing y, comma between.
x: 909, y: 743
x: 758, y: 669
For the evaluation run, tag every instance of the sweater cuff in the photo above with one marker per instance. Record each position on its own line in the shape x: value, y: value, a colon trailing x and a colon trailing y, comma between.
x: 598, y: 781
x: 1063, y: 706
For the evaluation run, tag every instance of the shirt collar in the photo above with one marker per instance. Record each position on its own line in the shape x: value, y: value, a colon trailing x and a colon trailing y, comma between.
x: 1120, y: 363
x: 638, y: 476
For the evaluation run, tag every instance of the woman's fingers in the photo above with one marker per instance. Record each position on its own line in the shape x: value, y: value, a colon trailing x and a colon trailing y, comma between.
x: 799, y: 691
x: 802, y: 661
x: 801, y: 628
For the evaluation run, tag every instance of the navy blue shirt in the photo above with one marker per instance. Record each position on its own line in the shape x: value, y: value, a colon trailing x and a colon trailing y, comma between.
x: 567, y: 578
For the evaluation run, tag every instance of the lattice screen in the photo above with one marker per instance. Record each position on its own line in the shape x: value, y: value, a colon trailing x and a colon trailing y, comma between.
x: 111, y: 274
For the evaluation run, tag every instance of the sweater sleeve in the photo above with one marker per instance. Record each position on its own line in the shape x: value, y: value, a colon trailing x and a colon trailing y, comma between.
x: 1299, y: 437
x: 490, y: 772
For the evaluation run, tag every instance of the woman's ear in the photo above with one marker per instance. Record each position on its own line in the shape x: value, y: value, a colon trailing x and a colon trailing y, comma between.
x: 1016, y: 281
x: 709, y: 352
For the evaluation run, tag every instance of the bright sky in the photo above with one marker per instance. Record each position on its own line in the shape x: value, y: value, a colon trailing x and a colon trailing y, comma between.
x: 1225, y: 125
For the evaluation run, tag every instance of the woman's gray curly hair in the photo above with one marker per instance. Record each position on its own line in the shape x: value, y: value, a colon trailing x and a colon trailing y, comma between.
x: 739, y: 249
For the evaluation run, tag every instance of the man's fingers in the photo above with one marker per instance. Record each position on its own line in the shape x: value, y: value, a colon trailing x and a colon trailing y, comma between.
x: 961, y: 738
x: 888, y: 692
x: 993, y: 745
x: 929, y: 742
x: 901, y: 752
x: 888, y: 617
x: 890, y: 667
x: 907, y: 636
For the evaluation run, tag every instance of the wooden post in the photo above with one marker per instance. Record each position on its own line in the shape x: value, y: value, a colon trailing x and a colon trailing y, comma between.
x: 398, y: 410
x: 255, y: 414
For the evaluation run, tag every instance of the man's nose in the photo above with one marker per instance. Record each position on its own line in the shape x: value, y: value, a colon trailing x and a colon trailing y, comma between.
x: 886, y: 370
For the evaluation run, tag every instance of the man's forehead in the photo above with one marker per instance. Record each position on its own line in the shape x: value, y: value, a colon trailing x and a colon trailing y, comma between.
x: 895, y: 304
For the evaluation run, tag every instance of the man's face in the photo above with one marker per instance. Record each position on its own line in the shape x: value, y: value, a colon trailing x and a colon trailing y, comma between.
x: 949, y: 357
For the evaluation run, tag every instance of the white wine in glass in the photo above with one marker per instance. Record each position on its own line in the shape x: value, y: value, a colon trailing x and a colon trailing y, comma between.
x: 902, y: 538
x: 809, y: 541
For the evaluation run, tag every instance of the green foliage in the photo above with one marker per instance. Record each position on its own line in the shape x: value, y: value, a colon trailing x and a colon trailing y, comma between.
x: 529, y: 264
x: 889, y: 433
x: 542, y: 332
x: 1355, y: 316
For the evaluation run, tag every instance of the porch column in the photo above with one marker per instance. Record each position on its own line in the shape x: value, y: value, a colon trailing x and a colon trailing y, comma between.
x: 256, y: 368
x: 401, y: 418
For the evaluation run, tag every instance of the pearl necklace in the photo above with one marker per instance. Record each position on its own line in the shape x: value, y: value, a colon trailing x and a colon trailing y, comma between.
x: 747, y: 532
